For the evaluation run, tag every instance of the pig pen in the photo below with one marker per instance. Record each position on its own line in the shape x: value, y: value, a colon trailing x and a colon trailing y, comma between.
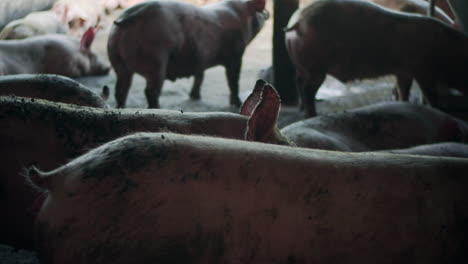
x: 332, y: 97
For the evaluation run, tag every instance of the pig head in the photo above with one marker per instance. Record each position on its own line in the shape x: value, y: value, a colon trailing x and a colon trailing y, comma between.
x: 169, y: 40
x: 53, y: 54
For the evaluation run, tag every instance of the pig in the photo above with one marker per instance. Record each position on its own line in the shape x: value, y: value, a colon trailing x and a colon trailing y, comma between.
x: 79, y: 15
x: 171, y: 198
x: 415, y: 6
x: 52, y: 54
x: 49, y: 134
x: 50, y: 87
x: 12, y: 10
x: 445, y: 149
x: 386, y: 125
x: 34, y: 24
x: 369, y: 41
x: 169, y: 39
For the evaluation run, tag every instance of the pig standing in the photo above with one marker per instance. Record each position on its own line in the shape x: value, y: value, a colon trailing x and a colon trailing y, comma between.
x: 51, y: 53
x: 168, y: 40
x: 34, y: 24
x: 369, y: 41
x: 49, y: 134
x: 50, y: 87
x: 387, y: 125
x: 445, y: 149
x: 167, y: 198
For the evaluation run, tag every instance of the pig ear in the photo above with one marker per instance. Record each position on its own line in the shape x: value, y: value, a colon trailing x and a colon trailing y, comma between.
x: 262, y: 123
x: 87, y: 39
x: 258, y: 5
x: 249, y: 105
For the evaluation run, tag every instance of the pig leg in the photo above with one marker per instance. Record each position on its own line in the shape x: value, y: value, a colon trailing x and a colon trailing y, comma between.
x: 403, y: 87
x: 309, y: 89
x: 232, y: 74
x: 124, y: 80
x: 429, y: 90
x: 195, y: 93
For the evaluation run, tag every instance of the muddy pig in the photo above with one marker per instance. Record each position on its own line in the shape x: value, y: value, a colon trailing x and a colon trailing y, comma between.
x: 444, y: 149
x: 167, y: 40
x: 415, y: 6
x: 369, y: 41
x: 53, y: 54
x: 34, y: 24
x: 169, y: 198
x: 49, y: 134
x: 50, y: 87
x: 386, y: 125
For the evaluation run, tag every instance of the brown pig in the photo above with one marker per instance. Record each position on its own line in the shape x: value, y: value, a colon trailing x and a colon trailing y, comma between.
x: 49, y: 134
x: 50, y: 87
x: 387, y: 125
x: 53, y: 54
x: 168, y: 198
x: 34, y: 24
x: 445, y: 149
x: 369, y: 41
x: 169, y: 39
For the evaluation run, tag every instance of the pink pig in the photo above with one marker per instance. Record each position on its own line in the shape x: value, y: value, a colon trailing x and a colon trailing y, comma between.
x: 169, y: 39
x: 51, y: 53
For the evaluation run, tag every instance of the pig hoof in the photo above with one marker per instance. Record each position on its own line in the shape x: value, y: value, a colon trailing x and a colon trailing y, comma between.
x: 194, y: 96
x: 236, y: 101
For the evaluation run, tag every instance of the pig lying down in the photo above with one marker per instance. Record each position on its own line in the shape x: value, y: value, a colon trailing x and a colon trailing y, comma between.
x: 387, y: 125
x: 49, y: 134
x: 53, y: 54
x: 50, y: 87
x: 34, y: 24
x: 167, y: 198
x: 368, y: 41
x: 168, y: 40
x: 444, y: 149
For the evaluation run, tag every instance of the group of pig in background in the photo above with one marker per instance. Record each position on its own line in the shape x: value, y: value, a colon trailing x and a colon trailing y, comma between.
x: 139, y: 185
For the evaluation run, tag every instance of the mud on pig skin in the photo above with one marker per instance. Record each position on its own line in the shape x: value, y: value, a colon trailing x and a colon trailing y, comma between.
x: 50, y: 87
x: 53, y: 54
x: 386, y: 125
x: 47, y: 134
x: 168, y: 198
x: 356, y: 39
x: 168, y: 39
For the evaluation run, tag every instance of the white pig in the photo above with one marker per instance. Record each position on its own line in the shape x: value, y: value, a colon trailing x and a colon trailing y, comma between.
x: 169, y: 39
x: 34, y: 24
x: 168, y: 198
x: 49, y: 134
x: 386, y: 125
x: 51, y: 53
x: 50, y: 87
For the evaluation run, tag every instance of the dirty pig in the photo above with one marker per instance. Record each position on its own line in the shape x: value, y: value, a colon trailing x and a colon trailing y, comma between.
x: 168, y: 40
x: 370, y: 41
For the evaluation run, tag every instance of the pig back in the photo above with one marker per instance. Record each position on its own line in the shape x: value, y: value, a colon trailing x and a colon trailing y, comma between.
x: 233, y: 197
